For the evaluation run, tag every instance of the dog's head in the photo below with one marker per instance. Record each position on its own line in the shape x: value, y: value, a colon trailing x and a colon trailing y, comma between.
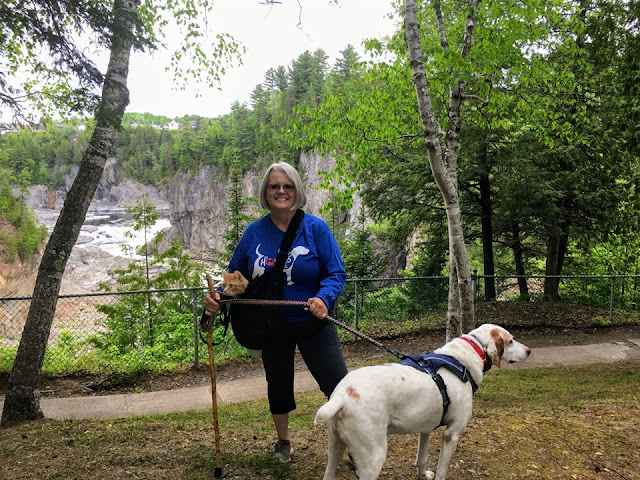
x: 500, y: 344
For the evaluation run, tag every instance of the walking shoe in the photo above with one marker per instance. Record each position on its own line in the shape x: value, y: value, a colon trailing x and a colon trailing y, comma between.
x: 282, y: 451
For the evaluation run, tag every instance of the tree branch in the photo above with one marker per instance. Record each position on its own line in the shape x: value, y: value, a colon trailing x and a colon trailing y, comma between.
x: 469, y: 28
x: 444, y: 42
x: 475, y: 97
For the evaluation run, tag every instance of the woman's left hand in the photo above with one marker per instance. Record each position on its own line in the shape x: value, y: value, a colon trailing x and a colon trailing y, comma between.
x: 317, y: 308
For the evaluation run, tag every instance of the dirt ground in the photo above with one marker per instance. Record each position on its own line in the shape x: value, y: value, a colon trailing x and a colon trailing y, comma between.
x: 562, y: 325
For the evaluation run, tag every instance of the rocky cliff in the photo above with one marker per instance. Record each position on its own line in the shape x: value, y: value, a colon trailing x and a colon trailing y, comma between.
x: 111, y: 192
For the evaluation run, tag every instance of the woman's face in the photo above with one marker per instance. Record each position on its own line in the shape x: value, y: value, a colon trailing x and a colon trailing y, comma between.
x: 281, y: 191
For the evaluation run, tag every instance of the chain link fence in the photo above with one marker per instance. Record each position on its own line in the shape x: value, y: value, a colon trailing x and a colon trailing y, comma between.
x: 129, y: 332
x: 612, y: 292
x: 382, y: 307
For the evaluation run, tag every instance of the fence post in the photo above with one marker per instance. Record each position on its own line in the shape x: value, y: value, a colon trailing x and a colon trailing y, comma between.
x: 194, y: 306
x: 355, y: 305
x: 474, y: 293
x: 474, y: 284
x: 611, y: 298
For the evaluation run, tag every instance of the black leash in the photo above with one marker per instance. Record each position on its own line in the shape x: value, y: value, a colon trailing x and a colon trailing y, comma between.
x: 395, y: 353
x: 278, y: 303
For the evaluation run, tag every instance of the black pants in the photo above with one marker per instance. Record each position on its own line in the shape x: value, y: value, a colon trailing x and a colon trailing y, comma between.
x: 317, y: 341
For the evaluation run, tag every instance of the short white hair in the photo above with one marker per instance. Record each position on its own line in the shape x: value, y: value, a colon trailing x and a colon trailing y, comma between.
x: 294, y: 176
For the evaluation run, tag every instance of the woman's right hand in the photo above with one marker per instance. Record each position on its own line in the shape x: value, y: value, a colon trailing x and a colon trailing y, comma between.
x: 211, y: 305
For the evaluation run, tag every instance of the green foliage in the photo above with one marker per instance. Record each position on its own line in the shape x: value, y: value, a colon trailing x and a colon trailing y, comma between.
x: 151, y: 320
x: 306, y: 78
x: 129, y: 119
x: 69, y: 344
x: 358, y: 252
x: 7, y: 357
x: 149, y: 152
x: 107, y: 352
x: 236, y: 217
x: 128, y: 335
x: 624, y: 292
x: 40, y: 41
x: 552, y: 144
x: 144, y: 153
x: 144, y: 215
x: 27, y: 234
x: 429, y: 293
x: 33, y: 157
x: 395, y: 300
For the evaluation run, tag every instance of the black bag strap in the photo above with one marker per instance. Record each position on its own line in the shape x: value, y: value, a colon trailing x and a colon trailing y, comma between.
x: 287, y: 241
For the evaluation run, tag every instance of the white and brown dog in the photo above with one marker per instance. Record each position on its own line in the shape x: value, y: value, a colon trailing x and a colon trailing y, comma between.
x: 408, y: 397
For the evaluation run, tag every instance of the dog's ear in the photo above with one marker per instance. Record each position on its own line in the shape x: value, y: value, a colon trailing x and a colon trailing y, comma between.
x: 495, y: 347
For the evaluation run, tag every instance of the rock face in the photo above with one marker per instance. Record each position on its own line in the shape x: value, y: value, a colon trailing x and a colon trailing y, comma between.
x: 197, y: 205
x: 111, y: 191
x: 87, y: 267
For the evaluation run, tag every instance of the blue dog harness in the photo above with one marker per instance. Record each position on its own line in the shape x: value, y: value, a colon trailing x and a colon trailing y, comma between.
x: 432, y: 362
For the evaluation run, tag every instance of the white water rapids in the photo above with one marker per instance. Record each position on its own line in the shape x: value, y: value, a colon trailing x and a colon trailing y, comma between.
x: 98, y: 250
x: 105, y: 229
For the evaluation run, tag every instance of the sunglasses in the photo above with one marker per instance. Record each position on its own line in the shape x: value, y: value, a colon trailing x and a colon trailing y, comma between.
x: 275, y: 187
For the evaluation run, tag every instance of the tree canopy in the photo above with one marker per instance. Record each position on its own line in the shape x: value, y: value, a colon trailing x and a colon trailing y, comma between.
x: 50, y: 51
x: 546, y: 149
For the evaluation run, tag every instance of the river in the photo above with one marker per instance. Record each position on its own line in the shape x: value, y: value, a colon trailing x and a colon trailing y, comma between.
x: 106, y: 227
x: 99, y: 248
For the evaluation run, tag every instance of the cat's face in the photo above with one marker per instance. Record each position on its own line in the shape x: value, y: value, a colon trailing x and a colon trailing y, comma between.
x: 233, y: 283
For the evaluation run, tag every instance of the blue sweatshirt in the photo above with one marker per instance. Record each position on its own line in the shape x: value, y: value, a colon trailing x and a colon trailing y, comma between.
x: 314, y: 267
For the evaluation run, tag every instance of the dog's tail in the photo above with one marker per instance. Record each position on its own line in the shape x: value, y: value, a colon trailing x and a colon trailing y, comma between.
x: 329, y: 409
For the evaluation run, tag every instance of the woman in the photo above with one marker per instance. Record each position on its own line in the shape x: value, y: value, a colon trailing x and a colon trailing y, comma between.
x: 314, y: 273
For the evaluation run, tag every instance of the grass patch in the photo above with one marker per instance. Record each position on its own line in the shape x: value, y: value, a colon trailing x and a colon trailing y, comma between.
x: 557, y: 386
x: 575, y: 423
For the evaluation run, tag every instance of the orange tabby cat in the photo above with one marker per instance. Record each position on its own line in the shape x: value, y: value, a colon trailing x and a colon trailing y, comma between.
x: 233, y: 284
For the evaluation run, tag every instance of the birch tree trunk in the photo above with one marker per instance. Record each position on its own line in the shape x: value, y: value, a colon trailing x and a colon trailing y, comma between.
x: 22, y: 400
x: 444, y: 164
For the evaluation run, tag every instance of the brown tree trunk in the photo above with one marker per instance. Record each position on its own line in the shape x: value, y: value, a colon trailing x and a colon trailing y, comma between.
x: 558, y: 241
x: 518, y: 257
x: 556, y: 249
x: 22, y: 401
x: 487, y: 236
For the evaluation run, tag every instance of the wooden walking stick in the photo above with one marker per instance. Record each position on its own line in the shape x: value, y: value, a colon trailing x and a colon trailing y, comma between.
x: 214, y: 395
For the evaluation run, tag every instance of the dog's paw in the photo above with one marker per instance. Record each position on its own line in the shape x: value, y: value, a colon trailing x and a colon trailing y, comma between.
x: 426, y: 475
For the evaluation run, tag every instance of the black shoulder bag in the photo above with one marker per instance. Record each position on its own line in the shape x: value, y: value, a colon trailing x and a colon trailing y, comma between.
x: 256, y: 325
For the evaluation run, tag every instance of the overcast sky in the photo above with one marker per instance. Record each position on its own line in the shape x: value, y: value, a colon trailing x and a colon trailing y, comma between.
x: 272, y: 37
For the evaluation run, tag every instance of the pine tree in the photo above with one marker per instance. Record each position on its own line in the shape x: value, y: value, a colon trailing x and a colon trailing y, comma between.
x: 236, y: 211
